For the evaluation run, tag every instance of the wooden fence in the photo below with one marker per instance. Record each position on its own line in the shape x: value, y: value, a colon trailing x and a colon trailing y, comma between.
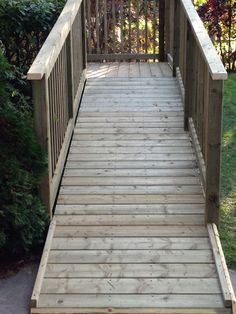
x: 201, y: 74
x: 125, y: 29
x: 58, y: 76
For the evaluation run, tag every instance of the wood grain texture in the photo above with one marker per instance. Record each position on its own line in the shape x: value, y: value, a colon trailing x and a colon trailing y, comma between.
x: 129, y: 209
x: 87, y: 199
x: 130, y: 270
x: 208, y: 51
x: 159, y: 308
x: 114, y: 286
x: 130, y: 234
x: 221, y: 266
x: 43, y: 264
x: 131, y: 231
x: 131, y: 220
x: 133, y: 243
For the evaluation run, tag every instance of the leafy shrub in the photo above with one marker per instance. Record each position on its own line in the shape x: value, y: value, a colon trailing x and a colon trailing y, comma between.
x: 22, y: 217
x: 219, y: 19
x: 24, y: 26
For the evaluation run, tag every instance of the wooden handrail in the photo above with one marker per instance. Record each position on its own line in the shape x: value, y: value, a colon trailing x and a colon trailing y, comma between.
x: 201, y: 73
x: 201, y: 36
x: 58, y: 76
x: 209, y: 52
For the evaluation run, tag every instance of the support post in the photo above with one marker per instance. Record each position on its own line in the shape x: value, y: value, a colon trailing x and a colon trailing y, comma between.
x: 213, y: 150
x: 42, y: 129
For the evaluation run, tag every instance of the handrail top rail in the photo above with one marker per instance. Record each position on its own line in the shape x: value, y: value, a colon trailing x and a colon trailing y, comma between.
x: 209, y: 52
x: 50, y: 50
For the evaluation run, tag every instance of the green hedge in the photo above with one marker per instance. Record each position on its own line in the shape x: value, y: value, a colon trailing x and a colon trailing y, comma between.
x: 24, y: 25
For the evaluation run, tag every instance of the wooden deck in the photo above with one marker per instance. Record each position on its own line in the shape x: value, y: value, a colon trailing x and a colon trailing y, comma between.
x: 128, y: 234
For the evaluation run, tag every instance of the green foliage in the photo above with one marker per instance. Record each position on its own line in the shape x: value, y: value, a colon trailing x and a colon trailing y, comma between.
x: 228, y: 176
x: 219, y: 18
x: 22, y: 217
x: 129, y: 10
x: 24, y: 26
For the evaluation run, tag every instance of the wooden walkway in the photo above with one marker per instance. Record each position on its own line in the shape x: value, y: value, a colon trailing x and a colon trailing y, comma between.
x: 128, y: 235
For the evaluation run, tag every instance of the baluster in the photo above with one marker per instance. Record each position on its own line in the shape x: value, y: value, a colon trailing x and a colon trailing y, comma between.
x: 137, y: 26
x: 89, y: 25
x: 146, y: 26
x: 161, y: 30
x: 105, y: 26
x: 97, y: 26
x: 176, y: 36
x: 114, y: 25
x: 83, y: 34
x: 190, y: 77
x: 122, y: 26
x: 129, y: 21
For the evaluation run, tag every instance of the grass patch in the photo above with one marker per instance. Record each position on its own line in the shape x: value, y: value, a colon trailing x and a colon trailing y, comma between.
x: 228, y: 173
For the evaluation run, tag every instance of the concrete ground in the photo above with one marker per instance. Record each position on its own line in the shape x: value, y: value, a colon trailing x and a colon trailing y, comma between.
x: 16, y: 290
x: 233, y: 278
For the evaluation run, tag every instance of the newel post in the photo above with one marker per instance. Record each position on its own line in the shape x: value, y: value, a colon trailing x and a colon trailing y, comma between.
x: 213, y: 149
x: 176, y: 47
x: 42, y: 129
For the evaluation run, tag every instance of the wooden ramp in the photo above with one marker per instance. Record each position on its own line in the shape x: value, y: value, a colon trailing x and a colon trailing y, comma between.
x: 128, y: 234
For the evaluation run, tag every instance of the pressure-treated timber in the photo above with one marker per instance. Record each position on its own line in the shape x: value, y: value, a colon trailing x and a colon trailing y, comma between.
x: 200, y: 74
x: 213, y: 150
x: 198, y: 152
x: 58, y: 77
x: 222, y: 270
x: 176, y: 30
x: 210, y: 55
x: 43, y: 264
x: 140, y: 310
x: 130, y: 234
x: 116, y: 38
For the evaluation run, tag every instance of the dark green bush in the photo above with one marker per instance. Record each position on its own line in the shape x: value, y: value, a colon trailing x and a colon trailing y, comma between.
x: 24, y: 26
x: 22, y: 217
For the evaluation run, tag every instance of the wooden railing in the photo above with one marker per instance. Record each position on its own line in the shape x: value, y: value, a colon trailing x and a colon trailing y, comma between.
x: 201, y: 74
x: 58, y: 76
x: 125, y: 30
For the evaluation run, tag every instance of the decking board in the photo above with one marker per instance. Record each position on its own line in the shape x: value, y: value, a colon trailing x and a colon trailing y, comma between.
x: 128, y: 231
